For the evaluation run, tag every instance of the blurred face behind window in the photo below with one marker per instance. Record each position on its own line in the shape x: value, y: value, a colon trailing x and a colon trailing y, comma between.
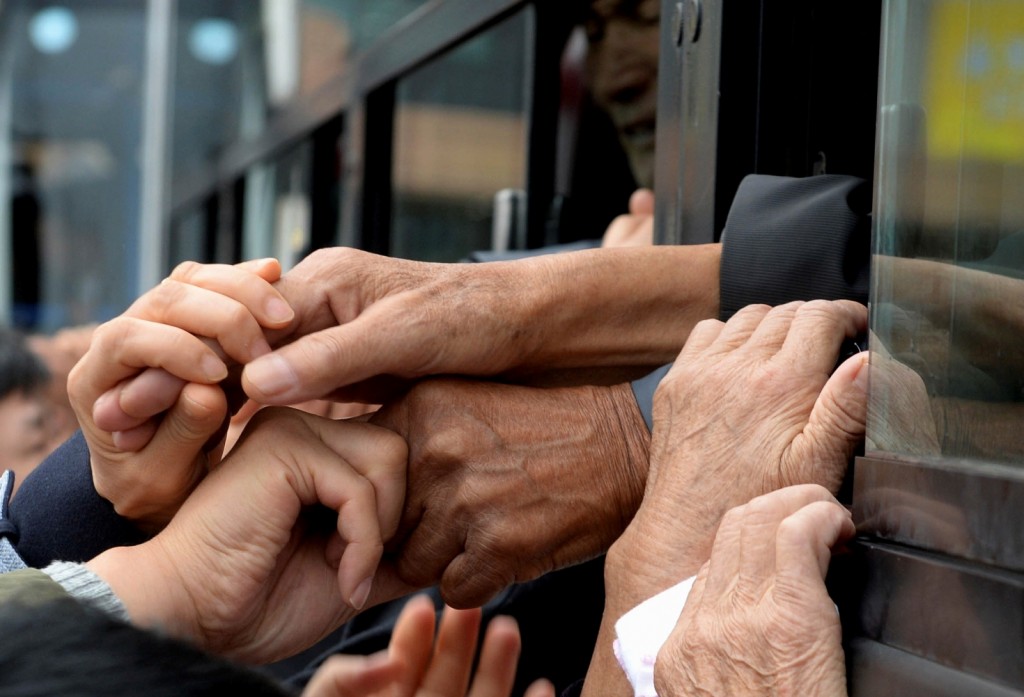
x: 27, y: 432
x: 622, y: 69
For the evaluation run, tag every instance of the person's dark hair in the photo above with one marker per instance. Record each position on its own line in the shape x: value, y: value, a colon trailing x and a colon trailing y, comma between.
x: 63, y: 649
x: 21, y: 369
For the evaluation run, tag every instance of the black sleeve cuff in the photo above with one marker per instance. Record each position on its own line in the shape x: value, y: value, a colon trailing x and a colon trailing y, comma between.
x: 796, y: 239
x: 59, y: 515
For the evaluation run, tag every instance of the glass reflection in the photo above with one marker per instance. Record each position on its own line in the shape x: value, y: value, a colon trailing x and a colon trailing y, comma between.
x: 948, y: 314
x: 460, y: 138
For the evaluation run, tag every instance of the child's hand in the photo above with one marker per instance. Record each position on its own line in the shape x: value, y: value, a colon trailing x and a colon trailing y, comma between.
x: 415, y: 665
x: 147, y: 392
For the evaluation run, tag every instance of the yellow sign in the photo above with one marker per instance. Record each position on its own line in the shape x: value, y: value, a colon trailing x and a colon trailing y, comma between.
x: 974, y: 92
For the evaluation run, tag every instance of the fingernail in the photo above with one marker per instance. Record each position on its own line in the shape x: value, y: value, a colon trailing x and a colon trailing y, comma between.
x: 271, y: 375
x: 861, y: 381
x: 361, y: 594
x: 213, y: 368
x: 278, y: 311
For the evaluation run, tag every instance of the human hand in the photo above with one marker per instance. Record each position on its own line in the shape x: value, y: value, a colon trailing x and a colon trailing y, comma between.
x: 636, y: 228
x: 749, y: 407
x: 758, y: 620
x: 247, y: 554
x: 366, y: 325
x: 417, y: 665
x: 507, y: 482
x: 146, y: 393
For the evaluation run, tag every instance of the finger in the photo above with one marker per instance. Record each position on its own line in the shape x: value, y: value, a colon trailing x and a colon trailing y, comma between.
x: 641, y: 202
x: 496, y: 670
x: 153, y: 391
x: 836, y: 426
x: 353, y: 676
x: 805, y: 539
x: 770, y: 334
x: 367, y: 494
x: 248, y: 283
x: 373, y: 344
x: 412, y: 643
x: 703, y: 334
x: 818, y: 330
x: 134, y: 439
x: 124, y: 347
x: 750, y: 557
x: 740, y: 327
x: 423, y: 557
x: 723, y: 566
x: 452, y: 663
x: 540, y: 688
x: 204, y: 312
x: 152, y: 487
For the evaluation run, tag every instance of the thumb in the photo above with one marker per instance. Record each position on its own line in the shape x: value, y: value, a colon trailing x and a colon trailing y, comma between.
x: 838, y: 421
x: 641, y: 202
x: 315, y: 365
x: 195, y: 417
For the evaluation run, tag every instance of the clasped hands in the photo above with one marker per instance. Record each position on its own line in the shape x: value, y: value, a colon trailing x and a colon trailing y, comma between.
x: 182, y: 415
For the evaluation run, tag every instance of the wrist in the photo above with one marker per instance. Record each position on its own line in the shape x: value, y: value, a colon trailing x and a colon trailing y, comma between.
x: 146, y: 583
x: 621, y: 307
x: 629, y: 477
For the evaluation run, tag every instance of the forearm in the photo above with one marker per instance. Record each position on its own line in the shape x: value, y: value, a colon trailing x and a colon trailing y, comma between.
x: 638, y: 566
x: 617, y: 307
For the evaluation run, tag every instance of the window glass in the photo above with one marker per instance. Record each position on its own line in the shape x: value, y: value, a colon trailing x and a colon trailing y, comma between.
x: 948, y: 310
x: 218, y: 64
x: 71, y: 122
x: 460, y: 139
x: 277, y: 208
x: 237, y: 61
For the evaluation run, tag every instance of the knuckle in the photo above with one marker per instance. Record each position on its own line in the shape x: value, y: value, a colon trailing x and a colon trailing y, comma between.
x: 186, y: 271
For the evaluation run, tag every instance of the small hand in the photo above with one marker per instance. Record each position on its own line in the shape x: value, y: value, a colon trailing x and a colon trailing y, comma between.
x: 248, y: 553
x: 148, y: 394
x: 417, y: 665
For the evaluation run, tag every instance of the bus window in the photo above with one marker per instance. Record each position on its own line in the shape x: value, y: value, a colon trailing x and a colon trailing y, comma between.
x: 71, y: 121
x: 460, y: 138
x: 277, y: 208
x: 949, y: 272
x: 937, y: 496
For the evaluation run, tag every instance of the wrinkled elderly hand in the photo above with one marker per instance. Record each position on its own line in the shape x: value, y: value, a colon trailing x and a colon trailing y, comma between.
x: 750, y: 407
x: 367, y: 325
x: 507, y: 482
x: 759, y: 620
x: 747, y: 408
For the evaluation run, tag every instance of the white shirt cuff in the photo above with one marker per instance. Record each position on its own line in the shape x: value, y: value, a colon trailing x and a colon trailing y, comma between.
x: 640, y: 633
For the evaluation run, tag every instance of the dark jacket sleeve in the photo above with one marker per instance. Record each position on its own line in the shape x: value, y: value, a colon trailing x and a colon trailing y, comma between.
x: 789, y: 239
x: 59, y: 516
x: 796, y: 239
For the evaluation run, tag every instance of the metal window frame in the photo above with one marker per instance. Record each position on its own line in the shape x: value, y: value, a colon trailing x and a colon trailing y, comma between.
x: 363, y: 93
